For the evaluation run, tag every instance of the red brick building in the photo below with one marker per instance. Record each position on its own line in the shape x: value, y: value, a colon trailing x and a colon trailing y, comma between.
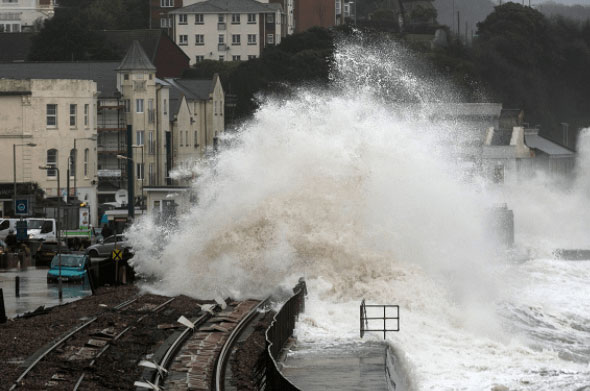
x: 310, y: 13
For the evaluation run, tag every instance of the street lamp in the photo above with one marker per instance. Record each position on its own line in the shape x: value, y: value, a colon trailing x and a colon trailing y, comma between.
x: 57, y: 227
x: 14, y: 165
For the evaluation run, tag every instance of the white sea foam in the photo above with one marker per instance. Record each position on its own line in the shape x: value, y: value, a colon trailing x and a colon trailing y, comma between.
x: 366, y: 200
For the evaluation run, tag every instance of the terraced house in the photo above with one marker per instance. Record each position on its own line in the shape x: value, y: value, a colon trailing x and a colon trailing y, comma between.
x: 22, y: 15
x: 228, y: 30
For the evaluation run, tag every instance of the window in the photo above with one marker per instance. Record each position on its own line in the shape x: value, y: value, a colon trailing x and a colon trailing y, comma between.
x: 251, y: 18
x: 215, y: 104
x: 221, y: 58
x: 151, y: 173
x: 165, y: 22
x: 165, y: 107
x: 235, y: 39
x: 270, y: 18
x: 251, y: 57
x: 221, y: 38
x: 73, y: 109
x: 182, y: 19
x: 199, y: 19
x: 270, y: 39
x: 139, y: 105
x: 139, y: 137
x: 338, y: 8
x: 52, y: 115
x: 199, y: 58
x: 72, y: 163
x: 139, y: 171
x: 251, y: 39
x: 183, y: 39
x: 235, y: 18
x: 5, y: 225
x: 166, y: 3
x: 220, y: 18
x: 180, y: 135
x: 52, y: 161
x: 127, y: 103
x: 86, y: 112
x: 196, y: 139
x: 86, y: 155
x: 151, y: 144
x: 126, y: 76
x: 236, y: 58
x: 199, y: 39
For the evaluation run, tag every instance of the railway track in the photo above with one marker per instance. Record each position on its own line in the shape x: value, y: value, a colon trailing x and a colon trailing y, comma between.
x: 64, y: 363
x: 197, y: 357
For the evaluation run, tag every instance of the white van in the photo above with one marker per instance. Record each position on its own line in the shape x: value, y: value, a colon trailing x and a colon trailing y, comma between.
x: 41, y: 229
x: 7, y: 225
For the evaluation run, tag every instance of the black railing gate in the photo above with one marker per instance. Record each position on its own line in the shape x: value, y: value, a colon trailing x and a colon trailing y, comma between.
x: 365, y: 319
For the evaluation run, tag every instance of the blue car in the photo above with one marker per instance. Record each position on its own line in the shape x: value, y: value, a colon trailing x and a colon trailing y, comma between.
x: 73, y: 268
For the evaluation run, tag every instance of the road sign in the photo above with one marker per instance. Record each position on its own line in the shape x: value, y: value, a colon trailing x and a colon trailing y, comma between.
x: 117, y: 255
x: 22, y: 207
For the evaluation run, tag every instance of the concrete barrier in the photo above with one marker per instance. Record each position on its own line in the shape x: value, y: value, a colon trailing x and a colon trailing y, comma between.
x: 396, y: 371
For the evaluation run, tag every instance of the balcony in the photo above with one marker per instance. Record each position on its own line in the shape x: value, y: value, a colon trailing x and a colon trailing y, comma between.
x: 221, y: 26
x: 111, y: 148
x: 109, y: 173
x: 222, y: 47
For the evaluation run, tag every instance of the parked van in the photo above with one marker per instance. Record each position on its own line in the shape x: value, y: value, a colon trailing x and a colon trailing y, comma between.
x: 41, y: 229
x: 7, y: 225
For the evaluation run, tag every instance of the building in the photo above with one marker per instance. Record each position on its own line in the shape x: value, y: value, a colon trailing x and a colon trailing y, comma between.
x: 22, y: 15
x: 49, y: 122
x: 128, y: 93
x: 197, y: 118
x: 168, y: 58
x: 310, y: 13
x: 228, y: 30
x: 517, y: 154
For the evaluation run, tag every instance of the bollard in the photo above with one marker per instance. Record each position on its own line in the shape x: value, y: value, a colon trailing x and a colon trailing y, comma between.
x: 17, y: 286
x: 2, y: 310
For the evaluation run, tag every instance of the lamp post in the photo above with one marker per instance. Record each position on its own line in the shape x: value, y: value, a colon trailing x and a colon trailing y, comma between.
x: 142, y: 170
x: 14, y: 166
x: 57, y: 228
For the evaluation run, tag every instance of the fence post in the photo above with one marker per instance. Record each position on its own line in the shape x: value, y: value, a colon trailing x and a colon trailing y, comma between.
x: 17, y: 286
x: 2, y: 310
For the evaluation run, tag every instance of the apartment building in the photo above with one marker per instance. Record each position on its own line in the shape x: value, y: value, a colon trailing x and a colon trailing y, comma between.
x: 21, y: 15
x: 129, y: 93
x: 228, y: 30
x: 49, y: 122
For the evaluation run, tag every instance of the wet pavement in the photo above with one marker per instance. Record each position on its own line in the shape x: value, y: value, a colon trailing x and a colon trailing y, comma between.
x: 34, y: 290
x: 339, y: 367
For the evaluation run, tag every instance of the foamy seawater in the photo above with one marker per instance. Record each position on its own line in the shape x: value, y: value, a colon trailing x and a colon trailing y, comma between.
x: 366, y: 198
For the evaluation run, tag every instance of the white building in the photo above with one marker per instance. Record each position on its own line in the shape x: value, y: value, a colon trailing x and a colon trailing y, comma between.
x: 228, y: 30
x: 49, y: 122
x: 21, y: 15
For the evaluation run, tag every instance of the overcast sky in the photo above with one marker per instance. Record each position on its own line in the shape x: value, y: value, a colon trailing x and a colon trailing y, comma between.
x: 568, y: 2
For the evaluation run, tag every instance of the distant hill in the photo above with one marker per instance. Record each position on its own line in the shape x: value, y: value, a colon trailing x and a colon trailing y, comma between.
x: 575, y: 12
x: 471, y: 11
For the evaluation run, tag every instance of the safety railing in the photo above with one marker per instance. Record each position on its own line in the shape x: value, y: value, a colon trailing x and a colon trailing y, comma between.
x: 269, y: 376
x: 364, y: 318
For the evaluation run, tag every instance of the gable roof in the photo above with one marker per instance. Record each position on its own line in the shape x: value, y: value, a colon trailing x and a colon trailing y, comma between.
x: 191, y: 89
x: 136, y: 59
x: 103, y: 73
x: 222, y: 6
x: 16, y: 46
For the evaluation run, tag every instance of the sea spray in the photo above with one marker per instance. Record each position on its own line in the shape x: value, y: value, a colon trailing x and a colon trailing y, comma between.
x: 357, y: 188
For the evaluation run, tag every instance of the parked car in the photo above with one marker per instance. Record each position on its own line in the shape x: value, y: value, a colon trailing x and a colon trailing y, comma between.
x: 3, y: 247
x: 47, y: 251
x: 73, y: 268
x: 105, y: 247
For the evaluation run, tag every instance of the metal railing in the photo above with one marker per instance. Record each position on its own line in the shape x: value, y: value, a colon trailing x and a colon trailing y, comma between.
x: 365, y: 319
x: 269, y: 376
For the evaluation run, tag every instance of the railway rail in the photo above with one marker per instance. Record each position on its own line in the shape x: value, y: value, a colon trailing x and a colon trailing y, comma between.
x: 76, y: 342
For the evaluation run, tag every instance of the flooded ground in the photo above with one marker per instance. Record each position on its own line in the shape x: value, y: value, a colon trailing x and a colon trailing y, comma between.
x: 34, y: 290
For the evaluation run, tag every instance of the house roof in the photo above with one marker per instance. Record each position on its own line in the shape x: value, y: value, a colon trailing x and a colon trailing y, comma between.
x: 533, y: 140
x: 16, y: 46
x: 223, y: 6
x: 103, y: 73
x: 192, y: 89
x: 136, y: 59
